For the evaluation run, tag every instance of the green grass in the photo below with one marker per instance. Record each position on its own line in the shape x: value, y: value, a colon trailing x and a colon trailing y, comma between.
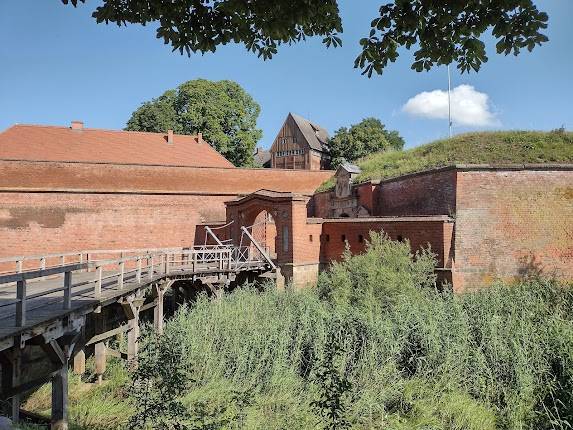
x: 503, y: 147
x: 91, y: 406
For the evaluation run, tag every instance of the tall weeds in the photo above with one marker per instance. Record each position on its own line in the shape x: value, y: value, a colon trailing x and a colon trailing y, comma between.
x: 413, y: 357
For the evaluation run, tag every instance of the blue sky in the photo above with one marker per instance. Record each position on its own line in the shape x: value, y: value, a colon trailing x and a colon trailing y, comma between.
x: 57, y: 64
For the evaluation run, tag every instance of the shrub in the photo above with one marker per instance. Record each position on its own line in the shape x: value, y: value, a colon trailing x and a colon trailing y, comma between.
x: 373, y: 280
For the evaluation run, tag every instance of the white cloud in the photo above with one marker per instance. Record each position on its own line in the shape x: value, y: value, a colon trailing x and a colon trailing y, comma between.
x: 469, y: 107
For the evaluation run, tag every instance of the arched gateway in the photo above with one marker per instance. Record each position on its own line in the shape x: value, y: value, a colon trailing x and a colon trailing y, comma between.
x: 289, y: 212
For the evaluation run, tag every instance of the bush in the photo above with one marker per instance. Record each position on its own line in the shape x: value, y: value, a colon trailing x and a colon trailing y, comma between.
x: 372, y: 281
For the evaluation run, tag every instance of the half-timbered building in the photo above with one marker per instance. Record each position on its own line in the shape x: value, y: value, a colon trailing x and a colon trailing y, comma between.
x: 300, y: 144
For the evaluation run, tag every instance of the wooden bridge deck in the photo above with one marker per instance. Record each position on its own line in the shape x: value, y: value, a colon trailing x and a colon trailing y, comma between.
x: 108, y: 281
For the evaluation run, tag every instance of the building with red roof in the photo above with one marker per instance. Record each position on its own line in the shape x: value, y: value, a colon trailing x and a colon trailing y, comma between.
x: 79, y: 144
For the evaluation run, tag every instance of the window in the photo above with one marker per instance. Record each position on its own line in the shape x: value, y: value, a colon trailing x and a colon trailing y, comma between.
x: 290, y: 152
x: 343, y: 237
x: 310, y: 238
x: 285, y: 238
x: 400, y: 238
x: 360, y: 238
x: 328, y: 238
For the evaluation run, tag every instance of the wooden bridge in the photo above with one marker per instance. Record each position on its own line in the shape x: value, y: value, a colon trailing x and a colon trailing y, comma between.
x: 57, y: 305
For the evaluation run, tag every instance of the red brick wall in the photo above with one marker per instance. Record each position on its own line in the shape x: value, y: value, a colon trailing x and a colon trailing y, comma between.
x: 510, y: 223
x: 365, y: 193
x: 59, y: 207
x: 36, y: 223
x: 431, y: 193
x: 23, y: 175
x: 320, y: 205
x: 420, y: 233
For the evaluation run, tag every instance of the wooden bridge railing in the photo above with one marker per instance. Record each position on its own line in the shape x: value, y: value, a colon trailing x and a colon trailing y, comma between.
x: 18, y: 264
x: 115, y: 274
x: 22, y: 298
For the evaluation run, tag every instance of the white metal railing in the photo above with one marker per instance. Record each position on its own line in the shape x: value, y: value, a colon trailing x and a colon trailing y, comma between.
x: 93, y: 278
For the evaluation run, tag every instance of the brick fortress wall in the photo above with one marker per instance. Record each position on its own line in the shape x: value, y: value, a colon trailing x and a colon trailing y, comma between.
x: 513, y: 224
x: 50, y: 207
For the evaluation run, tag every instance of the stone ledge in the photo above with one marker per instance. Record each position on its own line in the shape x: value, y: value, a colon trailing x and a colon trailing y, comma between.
x: 429, y: 218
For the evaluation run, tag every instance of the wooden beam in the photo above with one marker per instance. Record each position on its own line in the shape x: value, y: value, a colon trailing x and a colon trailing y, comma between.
x: 110, y: 333
x: 54, y: 352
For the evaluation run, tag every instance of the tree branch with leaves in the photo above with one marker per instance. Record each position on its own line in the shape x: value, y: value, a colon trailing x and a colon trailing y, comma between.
x: 440, y: 32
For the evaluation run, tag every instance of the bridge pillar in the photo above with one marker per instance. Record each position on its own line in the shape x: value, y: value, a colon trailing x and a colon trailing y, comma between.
x: 60, y: 399
x: 158, y: 310
x: 131, y: 306
x: 80, y: 362
x: 59, y: 356
x: 11, y: 375
x: 100, y: 349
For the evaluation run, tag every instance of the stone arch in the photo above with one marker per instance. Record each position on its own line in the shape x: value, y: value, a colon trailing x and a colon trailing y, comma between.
x: 280, y: 206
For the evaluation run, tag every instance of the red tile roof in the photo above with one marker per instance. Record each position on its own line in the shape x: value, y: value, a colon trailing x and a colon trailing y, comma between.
x: 50, y: 143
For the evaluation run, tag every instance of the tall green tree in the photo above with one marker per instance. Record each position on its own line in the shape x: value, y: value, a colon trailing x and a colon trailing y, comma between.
x: 223, y: 111
x: 361, y: 139
x: 441, y: 32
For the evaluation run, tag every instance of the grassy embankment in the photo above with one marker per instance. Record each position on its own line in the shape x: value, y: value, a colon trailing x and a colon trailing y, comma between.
x: 505, y: 147
x: 415, y: 358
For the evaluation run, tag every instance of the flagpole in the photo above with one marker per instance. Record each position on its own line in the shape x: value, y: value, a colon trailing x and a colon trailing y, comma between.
x: 449, y: 101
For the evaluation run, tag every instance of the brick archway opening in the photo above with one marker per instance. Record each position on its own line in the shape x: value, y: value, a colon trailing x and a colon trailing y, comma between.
x: 264, y: 230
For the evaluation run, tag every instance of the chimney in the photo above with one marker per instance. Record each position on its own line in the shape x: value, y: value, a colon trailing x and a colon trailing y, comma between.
x: 199, y: 137
x: 170, y: 137
x: 77, y: 125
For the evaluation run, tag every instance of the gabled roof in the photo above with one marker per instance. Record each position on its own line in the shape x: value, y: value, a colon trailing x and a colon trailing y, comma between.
x: 50, y: 143
x: 350, y: 168
x: 316, y: 136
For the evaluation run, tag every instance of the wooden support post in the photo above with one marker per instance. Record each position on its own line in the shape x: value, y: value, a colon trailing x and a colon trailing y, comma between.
x: 21, y: 305
x: 132, y: 341
x: 11, y: 375
x: 60, y: 357
x: 43, y: 263
x: 67, y: 290
x: 100, y: 360
x: 60, y: 399
x: 120, y: 277
x: 138, y: 273
x: 158, y: 310
x: 100, y: 349
x: 131, y: 306
x: 80, y: 362
x: 98, y: 282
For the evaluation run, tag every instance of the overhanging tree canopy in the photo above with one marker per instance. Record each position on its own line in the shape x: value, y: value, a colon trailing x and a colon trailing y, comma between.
x: 441, y: 32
